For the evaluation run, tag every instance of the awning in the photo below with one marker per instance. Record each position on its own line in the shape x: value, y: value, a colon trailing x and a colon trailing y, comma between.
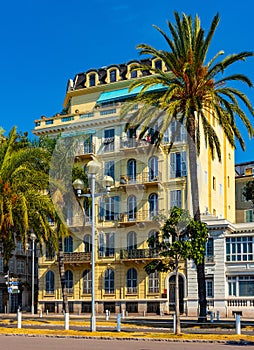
x: 123, y: 94
x: 78, y: 133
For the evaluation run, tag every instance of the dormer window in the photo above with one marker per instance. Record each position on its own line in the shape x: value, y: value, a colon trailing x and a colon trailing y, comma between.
x: 134, y: 74
x: 92, y: 79
x: 158, y: 64
x: 112, y: 76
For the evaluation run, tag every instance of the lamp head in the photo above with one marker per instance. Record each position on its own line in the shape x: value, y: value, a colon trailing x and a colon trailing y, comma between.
x: 93, y: 167
x: 108, y: 182
x: 78, y: 186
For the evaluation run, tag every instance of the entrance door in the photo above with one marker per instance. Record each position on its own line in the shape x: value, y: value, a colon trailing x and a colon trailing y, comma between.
x: 172, y: 283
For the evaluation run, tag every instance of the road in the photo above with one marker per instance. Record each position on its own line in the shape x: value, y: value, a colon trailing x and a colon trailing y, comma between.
x: 39, y: 343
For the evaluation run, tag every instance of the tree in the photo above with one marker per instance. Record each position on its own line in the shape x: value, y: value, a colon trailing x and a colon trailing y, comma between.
x: 181, y: 239
x: 23, y: 203
x: 248, y: 191
x: 190, y: 92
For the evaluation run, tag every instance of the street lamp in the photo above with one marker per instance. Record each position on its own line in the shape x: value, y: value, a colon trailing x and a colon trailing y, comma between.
x: 33, y: 238
x: 92, y: 168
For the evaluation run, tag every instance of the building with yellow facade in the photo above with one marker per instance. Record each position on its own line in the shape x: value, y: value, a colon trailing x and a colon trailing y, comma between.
x: 147, y: 181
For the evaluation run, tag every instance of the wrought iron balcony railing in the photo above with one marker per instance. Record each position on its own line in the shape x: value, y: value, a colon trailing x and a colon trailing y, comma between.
x: 77, y: 257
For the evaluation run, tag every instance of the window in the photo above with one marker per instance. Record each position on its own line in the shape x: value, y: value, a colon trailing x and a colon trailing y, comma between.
x: 50, y: 282
x: 131, y: 170
x: 239, y: 248
x: 153, y: 282
x: 109, y: 281
x: 19, y: 247
x: 131, y: 240
x: 109, y: 140
x: 134, y: 74
x: 158, y: 64
x: 249, y: 215
x: 153, y: 205
x: 112, y: 75
x: 209, y: 251
x: 109, y: 208
x: 209, y: 288
x: 88, y: 244
x: 241, y: 286
x: 68, y: 244
x: 153, y: 239
x: 101, y: 244
x: 1, y: 264
x: 92, y: 79
x: 214, y: 183
x: 132, y: 208
x: 87, y: 282
x: 69, y: 281
x: 132, y: 281
x: 110, y: 244
x: 109, y: 168
x: 88, y: 144
x: 153, y: 168
x: 178, y: 132
x: 178, y: 166
x: 20, y: 266
x: 232, y: 286
x: 176, y: 198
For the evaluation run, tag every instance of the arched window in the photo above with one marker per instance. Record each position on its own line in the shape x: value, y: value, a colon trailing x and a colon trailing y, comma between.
x: 69, y: 281
x: 131, y: 240
x: 153, y: 238
x: 109, y: 281
x: 87, y: 243
x: 158, y: 64
x: 131, y: 170
x: 68, y: 244
x: 153, y: 168
x: 132, y: 208
x: 92, y: 79
x: 153, y: 282
x: 153, y: 205
x: 50, y: 282
x: 132, y: 281
x: 87, y: 282
x: 112, y: 75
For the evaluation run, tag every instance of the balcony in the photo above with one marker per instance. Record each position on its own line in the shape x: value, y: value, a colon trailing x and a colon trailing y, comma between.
x: 85, y: 150
x: 77, y: 258
x: 139, y: 216
x: 146, y: 178
x: 134, y: 254
x: 132, y: 143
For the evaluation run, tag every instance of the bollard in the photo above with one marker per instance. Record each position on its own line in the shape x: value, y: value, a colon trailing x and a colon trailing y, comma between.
x: 118, y: 328
x: 218, y: 315
x: 238, y: 324
x: 174, y: 323
x: 126, y: 313
x: 66, y: 321
x: 123, y: 314
x: 19, y: 314
x: 107, y: 315
x: 211, y: 316
x: 47, y: 312
x: 40, y: 313
x: 144, y: 313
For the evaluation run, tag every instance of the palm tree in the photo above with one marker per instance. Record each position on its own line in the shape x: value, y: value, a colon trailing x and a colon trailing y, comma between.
x: 190, y: 91
x: 23, y: 203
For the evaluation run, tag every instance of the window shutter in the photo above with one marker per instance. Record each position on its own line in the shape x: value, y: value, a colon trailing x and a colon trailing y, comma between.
x: 172, y: 165
x: 183, y: 164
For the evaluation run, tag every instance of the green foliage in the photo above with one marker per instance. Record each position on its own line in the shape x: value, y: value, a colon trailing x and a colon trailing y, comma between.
x: 192, y: 88
x: 182, y: 238
x: 248, y: 191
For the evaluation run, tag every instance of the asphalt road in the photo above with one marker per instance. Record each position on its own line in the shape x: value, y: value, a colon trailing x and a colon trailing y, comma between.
x: 39, y: 343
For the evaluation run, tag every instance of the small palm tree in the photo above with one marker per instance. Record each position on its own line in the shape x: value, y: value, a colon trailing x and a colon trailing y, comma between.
x: 190, y: 92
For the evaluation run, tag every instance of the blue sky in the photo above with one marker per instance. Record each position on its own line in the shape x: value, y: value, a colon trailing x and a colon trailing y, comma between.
x: 45, y: 43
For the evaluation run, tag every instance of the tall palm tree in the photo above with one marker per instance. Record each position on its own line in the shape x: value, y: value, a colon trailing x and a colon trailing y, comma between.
x: 190, y: 91
x: 23, y: 203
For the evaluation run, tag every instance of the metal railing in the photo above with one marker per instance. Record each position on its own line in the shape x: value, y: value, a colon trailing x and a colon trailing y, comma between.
x: 138, y: 254
x: 77, y: 257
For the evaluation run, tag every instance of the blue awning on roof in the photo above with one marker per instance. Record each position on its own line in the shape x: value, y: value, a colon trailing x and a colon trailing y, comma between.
x: 123, y: 94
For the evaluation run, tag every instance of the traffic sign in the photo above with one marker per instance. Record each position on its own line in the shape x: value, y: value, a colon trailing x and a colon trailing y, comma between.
x: 9, y: 289
x: 14, y: 283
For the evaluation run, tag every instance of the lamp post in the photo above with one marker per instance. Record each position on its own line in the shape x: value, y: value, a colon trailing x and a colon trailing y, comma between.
x: 33, y: 238
x: 92, y: 169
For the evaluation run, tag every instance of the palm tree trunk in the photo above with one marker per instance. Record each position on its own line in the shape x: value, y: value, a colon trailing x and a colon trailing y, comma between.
x: 62, y: 279
x: 177, y: 308
x: 196, y: 214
